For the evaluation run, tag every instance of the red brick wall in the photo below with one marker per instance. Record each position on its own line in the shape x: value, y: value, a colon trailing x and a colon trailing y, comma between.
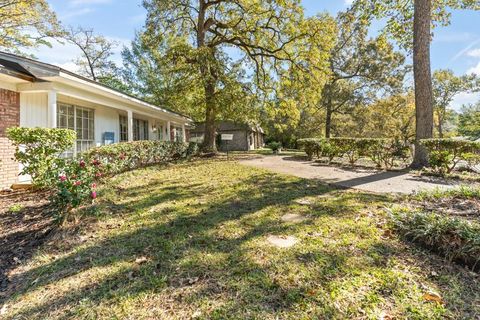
x: 9, y: 117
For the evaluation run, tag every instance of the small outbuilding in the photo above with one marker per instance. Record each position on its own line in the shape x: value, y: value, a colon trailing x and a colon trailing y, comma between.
x: 245, y: 137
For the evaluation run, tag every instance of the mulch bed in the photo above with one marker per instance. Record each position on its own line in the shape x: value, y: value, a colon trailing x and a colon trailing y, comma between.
x: 25, y: 223
x: 468, y: 209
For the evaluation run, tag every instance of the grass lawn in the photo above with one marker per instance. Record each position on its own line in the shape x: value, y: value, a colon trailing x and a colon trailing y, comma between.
x: 190, y: 241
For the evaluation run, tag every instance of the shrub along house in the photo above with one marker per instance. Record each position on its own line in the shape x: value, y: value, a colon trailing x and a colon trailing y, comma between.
x: 245, y: 137
x: 35, y: 94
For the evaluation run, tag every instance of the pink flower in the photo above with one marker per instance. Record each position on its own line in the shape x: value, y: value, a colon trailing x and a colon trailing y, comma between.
x: 122, y: 156
x: 77, y: 183
x: 63, y: 178
x: 98, y: 174
x: 94, y: 185
x: 93, y: 194
x: 82, y: 164
x: 96, y: 162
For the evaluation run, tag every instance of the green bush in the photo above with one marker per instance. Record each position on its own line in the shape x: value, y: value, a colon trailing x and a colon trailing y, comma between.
x: 445, y: 154
x: 382, y: 151
x: 311, y: 146
x: 353, y: 148
x: 320, y: 147
x: 275, y: 146
x: 74, y: 185
x: 119, y: 157
x: 38, y: 150
x: 454, y: 238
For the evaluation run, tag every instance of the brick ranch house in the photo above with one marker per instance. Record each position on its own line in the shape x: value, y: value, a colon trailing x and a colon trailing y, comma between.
x: 36, y: 94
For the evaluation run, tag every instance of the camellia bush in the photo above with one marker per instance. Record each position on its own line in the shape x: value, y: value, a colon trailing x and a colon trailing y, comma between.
x: 383, y: 152
x: 445, y: 154
x: 74, y: 185
x: 120, y: 157
x: 38, y: 149
x: 73, y: 181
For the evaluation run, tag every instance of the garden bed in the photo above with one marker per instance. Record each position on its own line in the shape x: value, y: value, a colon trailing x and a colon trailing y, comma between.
x: 468, y: 209
x: 446, y: 222
x: 25, y: 223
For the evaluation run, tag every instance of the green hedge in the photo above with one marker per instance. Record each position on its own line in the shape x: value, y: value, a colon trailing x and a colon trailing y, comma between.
x: 445, y: 154
x: 119, y: 157
x: 382, y: 151
x: 454, y: 238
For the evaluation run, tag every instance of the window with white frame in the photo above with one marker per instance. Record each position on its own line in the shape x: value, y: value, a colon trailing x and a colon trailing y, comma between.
x: 160, y: 132
x: 140, y: 129
x: 123, y: 129
x: 81, y: 120
x: 178, y: 134
x: 84, y: 128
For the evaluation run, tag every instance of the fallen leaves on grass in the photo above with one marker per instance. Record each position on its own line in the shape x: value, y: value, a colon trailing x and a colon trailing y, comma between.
x: 141, y: 260
x: 432, y: 296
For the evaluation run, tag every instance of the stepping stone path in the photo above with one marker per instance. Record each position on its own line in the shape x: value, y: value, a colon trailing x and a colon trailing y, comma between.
x: 282, y: 241
x: 303, y: 202
x: 293, y: 217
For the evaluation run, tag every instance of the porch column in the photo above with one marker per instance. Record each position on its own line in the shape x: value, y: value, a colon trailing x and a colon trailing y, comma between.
x: 52, y: 109
x: 130, y: 124
x: 184, y: 133
x: 169, y: 137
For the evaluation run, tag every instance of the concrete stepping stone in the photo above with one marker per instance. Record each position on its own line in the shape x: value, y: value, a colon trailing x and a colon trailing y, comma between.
x: 303, y: 202
x: 282, y: 241
x: 292, y: 217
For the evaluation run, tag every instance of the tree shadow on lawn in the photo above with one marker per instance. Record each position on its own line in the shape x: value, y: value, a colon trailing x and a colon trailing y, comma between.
x: 375, y: 174
x: 189, y: 259
x: 22, y: 231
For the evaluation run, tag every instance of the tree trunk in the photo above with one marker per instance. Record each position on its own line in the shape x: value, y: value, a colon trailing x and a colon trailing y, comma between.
x: 209, y: 142
x: 440, y: 128
x: 209, y: 83
x: 328, y: 119
x: 423, y: 80
x: 441, y: 121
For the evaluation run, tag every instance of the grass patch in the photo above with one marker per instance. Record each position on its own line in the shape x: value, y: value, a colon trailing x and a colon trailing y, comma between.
x: 462, y: 192
x: 15, y: 208
x: 190, y: 241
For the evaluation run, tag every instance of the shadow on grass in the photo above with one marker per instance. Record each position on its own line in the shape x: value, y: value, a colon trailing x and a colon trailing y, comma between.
x: 173, y: 244
x: 22, y: 231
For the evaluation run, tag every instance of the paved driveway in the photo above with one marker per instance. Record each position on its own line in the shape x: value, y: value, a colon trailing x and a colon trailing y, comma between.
x: 364, y: 179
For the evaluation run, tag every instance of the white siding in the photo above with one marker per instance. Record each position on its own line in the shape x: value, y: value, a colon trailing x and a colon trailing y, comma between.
x: 33, y: 109
x: 106, y: 120
x: 33, y: 113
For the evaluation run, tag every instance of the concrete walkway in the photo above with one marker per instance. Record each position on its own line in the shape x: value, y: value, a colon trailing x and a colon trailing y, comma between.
x: 359, y: 178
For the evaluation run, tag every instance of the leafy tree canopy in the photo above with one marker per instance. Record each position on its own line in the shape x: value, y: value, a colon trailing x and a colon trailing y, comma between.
x: 226, y: 40
x: 446, y: 85
x: 469, y: 121
x: 398, y: 15
x: 26, y: 23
